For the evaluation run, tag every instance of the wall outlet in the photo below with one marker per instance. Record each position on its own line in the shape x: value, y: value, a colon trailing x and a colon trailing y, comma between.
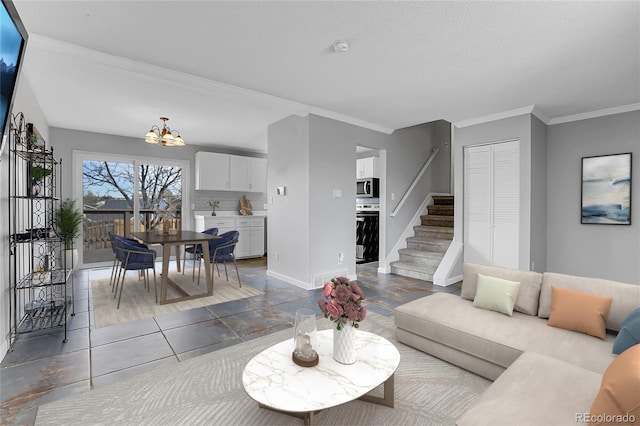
x: 277, y: 256
x: 337, y: 193
x: 340, y: 258
x: 393, y: 196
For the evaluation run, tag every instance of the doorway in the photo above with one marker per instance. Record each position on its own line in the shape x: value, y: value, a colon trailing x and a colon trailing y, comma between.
x: 370, y: 211
x: 123, y: 195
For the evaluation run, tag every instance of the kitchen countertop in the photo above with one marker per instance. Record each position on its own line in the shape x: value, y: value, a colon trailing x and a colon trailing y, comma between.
x: 230, y: 213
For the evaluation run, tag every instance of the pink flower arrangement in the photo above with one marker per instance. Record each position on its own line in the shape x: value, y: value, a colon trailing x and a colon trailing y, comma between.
x: 344, y: 302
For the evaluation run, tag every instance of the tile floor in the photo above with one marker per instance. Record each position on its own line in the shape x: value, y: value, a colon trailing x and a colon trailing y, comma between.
x: 42, y: 369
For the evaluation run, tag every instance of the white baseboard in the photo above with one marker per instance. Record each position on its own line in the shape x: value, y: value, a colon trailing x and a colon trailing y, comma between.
x: 288, y: 279
x: 453, y: 280
x: 384, y: 270
x: 393, y: 256
x: 449, y: 265
x: 311, y: 285
x: 401, y: 242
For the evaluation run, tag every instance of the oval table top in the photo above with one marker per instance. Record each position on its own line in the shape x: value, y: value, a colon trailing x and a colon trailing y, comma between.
x: 272, y: 378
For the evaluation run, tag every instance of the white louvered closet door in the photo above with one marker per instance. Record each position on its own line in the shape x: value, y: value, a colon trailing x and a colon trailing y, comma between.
x: 492, y: 204
x: 477, y: 208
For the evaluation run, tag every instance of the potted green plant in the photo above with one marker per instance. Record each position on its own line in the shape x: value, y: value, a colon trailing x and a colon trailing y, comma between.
x: 39, y: 172
x: 213, y: 204
x: 68, y: 220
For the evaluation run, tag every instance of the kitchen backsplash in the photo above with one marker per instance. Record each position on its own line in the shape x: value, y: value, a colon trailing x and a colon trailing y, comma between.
x: 229, y: 200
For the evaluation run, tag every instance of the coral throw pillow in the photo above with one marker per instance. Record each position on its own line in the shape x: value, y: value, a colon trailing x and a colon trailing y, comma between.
x: 578, y: 311
x: 618, y: 401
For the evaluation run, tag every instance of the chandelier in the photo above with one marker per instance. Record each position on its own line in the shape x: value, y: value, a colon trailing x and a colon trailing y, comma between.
x: 164, y: 135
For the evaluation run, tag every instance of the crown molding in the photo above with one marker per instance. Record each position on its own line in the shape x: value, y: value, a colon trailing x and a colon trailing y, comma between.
x: 540, y: 114
x: 189, y: 80
x: 535, y: 110
x: 595, y: 114
x: 530, y: 109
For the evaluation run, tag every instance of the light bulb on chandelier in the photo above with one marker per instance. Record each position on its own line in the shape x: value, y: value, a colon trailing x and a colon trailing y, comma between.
x: 164, y: 135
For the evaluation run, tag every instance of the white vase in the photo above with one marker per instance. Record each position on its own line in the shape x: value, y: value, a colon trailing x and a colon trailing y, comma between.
x: 344, y: 344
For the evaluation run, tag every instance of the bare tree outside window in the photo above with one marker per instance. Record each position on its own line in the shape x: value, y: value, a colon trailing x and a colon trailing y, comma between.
x: 108, y: 199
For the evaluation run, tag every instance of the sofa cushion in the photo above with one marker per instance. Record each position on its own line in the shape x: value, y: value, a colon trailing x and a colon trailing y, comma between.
x: 578, y: 311
x: 452, y: 321
x: 535, y: 390
x: 629, y: 334
x: 528, y: 295
x: 496, y: 294
x: 626, y: 297
x: 620, y: 390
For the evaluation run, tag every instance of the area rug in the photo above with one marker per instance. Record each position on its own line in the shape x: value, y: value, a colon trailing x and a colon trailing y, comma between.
x: 208, y: 390
x: 138, y: 303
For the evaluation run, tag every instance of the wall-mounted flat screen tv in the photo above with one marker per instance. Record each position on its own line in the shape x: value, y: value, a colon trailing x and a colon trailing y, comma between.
x: 13, y: 39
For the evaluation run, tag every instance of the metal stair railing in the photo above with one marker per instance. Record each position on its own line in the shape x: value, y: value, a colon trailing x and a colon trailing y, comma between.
x: 406, y: 194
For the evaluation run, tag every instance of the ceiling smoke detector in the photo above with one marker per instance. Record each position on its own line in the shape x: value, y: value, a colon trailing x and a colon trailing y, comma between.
x: 341, y: 46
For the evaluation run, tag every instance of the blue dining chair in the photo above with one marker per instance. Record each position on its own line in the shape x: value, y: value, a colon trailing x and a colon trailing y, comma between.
x: 115, y: 267
x: 133, y: 256
x: 196, y: 251
x: 222, y: 251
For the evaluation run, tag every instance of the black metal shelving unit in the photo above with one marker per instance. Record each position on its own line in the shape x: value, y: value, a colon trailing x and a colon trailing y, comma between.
x: 41, y: 281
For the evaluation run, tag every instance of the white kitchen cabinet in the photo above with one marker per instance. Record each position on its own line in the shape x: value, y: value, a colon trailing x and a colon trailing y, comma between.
x: 257, y: 241
x: 223, y: 224
x: 240, y: 171
x: 251, y: 242
x: 367, y: 167
x: 212, y: 171
x: 223, y: 172
x: 258, y: 175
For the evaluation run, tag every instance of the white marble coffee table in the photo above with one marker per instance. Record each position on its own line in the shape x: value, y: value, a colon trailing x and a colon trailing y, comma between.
x: 273, y: 380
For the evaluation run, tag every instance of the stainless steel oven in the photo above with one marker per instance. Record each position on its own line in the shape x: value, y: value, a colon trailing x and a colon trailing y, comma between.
x: 367, y: 232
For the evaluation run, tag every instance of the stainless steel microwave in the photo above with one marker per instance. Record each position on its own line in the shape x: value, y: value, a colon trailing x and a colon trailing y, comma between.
x: 367, y: 188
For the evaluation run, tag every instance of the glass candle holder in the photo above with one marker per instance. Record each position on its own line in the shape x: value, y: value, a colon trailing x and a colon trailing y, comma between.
x: 305, y: 334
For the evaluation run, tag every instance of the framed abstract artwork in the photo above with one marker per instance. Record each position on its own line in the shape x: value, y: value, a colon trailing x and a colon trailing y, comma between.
x: 606, y: 189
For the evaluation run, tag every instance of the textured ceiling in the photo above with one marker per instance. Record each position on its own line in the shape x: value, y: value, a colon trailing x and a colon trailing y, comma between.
x: 224, y: 71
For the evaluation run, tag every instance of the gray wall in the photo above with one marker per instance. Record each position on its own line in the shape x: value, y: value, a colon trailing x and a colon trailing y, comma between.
x: 538, y: 259
x: 605, y: 251
x: 332, y: 219
x: 407, y: 151
x: 288, y: 221
x: 312, y: 156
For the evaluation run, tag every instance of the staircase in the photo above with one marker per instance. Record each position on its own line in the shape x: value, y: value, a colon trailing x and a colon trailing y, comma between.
x: 430, y: 241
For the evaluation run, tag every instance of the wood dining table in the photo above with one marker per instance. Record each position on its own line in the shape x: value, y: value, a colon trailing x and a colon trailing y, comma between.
x: 176, y: 240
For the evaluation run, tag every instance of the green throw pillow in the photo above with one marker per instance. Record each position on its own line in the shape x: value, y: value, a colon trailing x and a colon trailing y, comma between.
x: 496, y: 294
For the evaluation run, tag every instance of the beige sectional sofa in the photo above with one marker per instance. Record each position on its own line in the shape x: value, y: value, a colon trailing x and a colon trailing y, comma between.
x: 559, y: 374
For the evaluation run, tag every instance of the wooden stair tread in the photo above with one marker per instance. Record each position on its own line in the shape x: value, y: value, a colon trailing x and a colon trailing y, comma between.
x: 437, y: 241
x: 436, y: 229
x: 421, y: 253
x: 426, y: 248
